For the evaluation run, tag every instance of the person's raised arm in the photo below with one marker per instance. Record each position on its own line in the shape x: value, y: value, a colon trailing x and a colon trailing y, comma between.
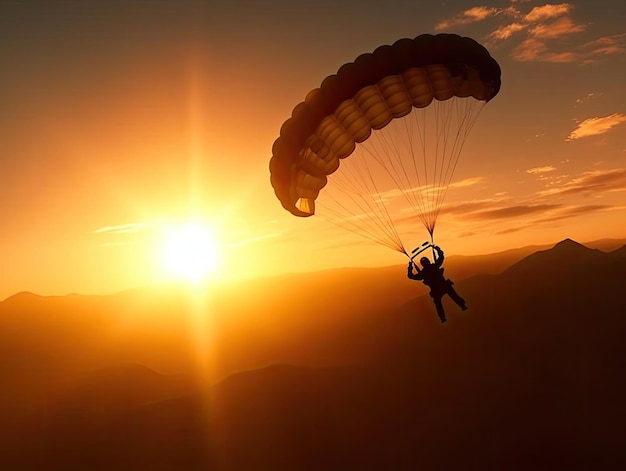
x: 439, y: 259
x: 410, y: 273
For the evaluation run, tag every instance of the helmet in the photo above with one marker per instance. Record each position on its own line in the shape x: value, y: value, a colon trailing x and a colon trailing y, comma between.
x: 425, y: 261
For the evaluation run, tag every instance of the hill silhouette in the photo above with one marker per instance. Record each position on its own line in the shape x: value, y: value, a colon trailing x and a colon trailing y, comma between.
x: 530, y: 377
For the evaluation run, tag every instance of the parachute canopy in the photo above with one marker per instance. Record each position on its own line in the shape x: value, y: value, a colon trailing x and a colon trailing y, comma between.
x: 445, y: 75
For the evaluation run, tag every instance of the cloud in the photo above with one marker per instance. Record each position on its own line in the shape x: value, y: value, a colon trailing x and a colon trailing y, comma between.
x: 596, y: 126
x: 558, y: 214
x: 606, y: 45
x: 467, y: 182
x: 537, y: 23
x: 547, y: 11
x: 587, y: 97
x: 120, y: 229
x: 508, y: 215
x: 515, y: 211
x: 473, y: 206
x: 594, y: 182
x: 471, y: 15
x: 535, y: 170
x: 535, y: 50
x: 426, y: 192
x: 573, y: 211
x: 506, y: 31
x: 545, y: 32
x: 556, y: 29
x: 467, y: 207
x: 511, y: 230
x: 543, y: 206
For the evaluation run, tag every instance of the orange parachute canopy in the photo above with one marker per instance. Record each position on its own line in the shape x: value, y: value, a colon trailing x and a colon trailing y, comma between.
x: 404, y: 80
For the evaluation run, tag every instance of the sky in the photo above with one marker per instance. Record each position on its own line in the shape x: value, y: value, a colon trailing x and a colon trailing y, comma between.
x: 122, y: 119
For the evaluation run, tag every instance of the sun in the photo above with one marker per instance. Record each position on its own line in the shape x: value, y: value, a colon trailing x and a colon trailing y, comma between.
x: 189, y: 252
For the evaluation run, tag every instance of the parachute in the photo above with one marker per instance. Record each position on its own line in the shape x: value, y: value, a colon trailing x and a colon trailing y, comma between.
x: 375, y: 147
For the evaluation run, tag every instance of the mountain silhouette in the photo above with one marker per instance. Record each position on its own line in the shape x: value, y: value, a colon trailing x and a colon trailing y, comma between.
x: 565, y: 255
x: 621, y: 252
x: 530, y: 377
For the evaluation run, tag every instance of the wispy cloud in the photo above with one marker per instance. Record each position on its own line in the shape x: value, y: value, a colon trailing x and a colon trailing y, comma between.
x: 467, y: 182
x: 542, y: 206
x: 587, y: 97
x: 120, y: 229
x: 545, y: 169
x: 515, y: 211
x: 547, y: 11
x: 514, y: 19
x: 596, y: 126
x: 505, y: 214
x: 119, y: 235
x: 510, y: 230
x: 545, y: 32
x: 473, y: 206
x: 558, y: 28
x: 506, y: 31
x: 535, y: 50
x: 573, y: 211
x: 471, y: 15
x: 607, y: 45
x: 594, y: 183
x: 425, y: 192
x: 556, y: 214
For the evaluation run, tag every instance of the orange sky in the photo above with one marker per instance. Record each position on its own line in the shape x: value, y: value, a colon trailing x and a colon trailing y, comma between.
x: 119, y: 120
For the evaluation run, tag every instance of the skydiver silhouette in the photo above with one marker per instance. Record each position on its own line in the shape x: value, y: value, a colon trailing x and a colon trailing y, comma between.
x: 431, y: 275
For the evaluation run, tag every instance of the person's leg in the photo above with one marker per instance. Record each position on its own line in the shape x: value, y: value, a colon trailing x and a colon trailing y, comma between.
x: 456, y: 298
x: 440, y: 311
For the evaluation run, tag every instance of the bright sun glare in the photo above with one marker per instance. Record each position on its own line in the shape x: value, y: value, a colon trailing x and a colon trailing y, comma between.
x: 189, y: 252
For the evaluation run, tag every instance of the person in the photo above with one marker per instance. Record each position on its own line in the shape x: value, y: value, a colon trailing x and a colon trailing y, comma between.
x: 431, y: 274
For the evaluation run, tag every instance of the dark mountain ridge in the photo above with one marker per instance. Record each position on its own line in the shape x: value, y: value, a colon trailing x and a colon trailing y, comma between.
x: 566, y: 255
x: 530, y: 377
